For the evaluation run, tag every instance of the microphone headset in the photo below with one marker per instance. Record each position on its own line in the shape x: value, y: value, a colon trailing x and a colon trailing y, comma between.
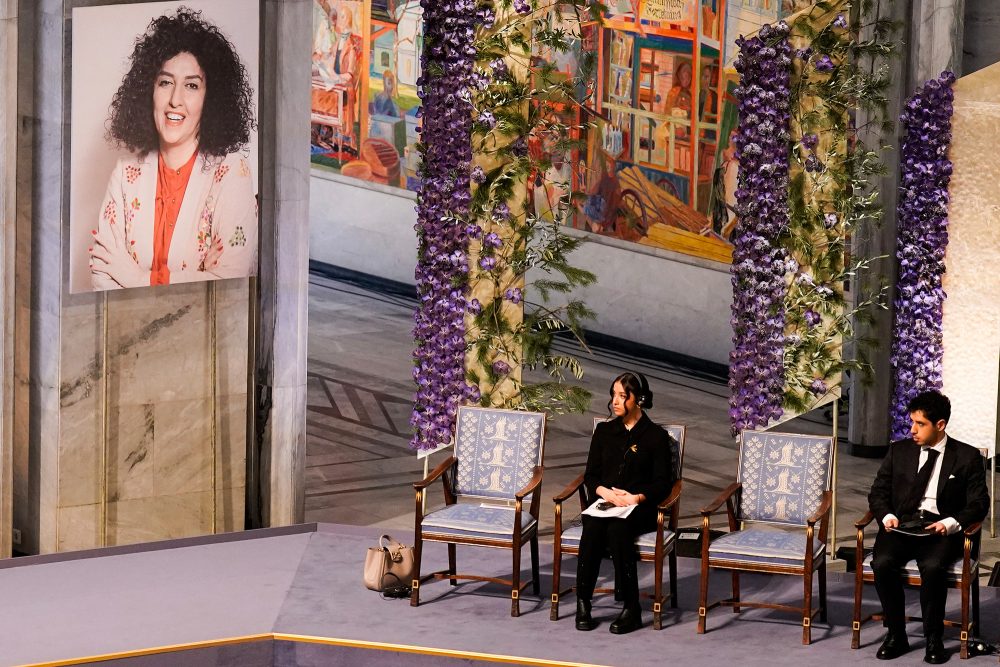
x: 643, y: 397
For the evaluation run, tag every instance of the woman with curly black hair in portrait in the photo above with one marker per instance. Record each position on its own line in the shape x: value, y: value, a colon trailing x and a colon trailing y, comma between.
x: 181, y: 208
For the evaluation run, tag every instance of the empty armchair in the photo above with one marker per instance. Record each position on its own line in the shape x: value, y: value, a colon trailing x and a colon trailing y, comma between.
x: 497, y: 465
x: 781, y: 494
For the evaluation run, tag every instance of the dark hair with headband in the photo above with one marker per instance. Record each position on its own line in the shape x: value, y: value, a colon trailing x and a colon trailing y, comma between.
x: 634, y: 384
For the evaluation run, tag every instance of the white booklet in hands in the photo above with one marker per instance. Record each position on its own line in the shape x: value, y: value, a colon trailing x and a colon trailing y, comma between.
x: 602, y: 509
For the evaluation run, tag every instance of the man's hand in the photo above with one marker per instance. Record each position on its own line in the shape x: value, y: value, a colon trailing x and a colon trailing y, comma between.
x: 938, y: 528
x: 891, y: 523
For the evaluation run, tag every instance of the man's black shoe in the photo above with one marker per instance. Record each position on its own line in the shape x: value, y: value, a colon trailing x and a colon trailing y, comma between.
x: 583, y: 618
x: 893, y: 646
x: 630, y: 619
x: 935, y: 653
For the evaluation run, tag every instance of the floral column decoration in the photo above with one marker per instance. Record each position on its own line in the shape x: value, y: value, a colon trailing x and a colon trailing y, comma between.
x: 812, y: 96
x: 922, y: 238
x: 756, y: 375
x: 442, y: 209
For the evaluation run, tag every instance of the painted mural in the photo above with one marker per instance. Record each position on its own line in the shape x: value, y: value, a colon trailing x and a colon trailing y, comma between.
x: 656, y: 165
x: 366, y: 60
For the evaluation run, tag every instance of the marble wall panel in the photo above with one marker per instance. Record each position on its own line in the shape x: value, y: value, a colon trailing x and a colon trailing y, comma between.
x: 971, y: 323
x: 159, y: 518
x: 79, y: 528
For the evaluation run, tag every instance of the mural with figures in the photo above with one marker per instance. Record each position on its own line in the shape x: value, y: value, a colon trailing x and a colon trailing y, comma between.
x: 656, y: 166
x: 366, y: 60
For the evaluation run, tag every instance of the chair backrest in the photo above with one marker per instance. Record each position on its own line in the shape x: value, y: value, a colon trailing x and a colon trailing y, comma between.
x: 497, y: 451
x: 783, y: 475
x: 679, y: 434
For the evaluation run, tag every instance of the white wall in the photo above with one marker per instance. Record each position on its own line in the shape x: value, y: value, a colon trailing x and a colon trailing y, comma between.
x: 653, y: 297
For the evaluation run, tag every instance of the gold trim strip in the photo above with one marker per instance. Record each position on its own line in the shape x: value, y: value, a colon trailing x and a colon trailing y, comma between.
x: 138, y: 653
x: 327, y: 641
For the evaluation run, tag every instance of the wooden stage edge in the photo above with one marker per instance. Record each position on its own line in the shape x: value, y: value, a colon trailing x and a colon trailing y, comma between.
x: 305, y: 639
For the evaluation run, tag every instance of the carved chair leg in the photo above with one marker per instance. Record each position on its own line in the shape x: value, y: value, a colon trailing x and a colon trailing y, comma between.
x: 535, y: 586
x: 703, y: 599
x: 452, y: 564
x: 736, y: 592
x: 556, y: 567
x: 822, y: 591
x: 856, y: 625
x: 966, y: 630
x: 807, y: 608
x: 515, y: 588
x: 415, y: 584
x: 657, y: 594
x: 673, y: 579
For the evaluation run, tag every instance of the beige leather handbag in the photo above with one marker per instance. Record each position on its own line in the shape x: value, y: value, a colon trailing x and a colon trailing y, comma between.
x: 389, y: 565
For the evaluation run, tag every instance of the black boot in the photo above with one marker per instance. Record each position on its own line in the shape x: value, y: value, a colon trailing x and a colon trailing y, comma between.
x: 630, y: 619
x: 583, y: 619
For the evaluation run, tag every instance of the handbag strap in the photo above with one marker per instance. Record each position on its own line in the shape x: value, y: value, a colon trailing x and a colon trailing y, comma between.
x: 389, y: 544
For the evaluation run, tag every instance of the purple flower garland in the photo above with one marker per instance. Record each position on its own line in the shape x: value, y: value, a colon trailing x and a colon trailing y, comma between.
x: 922, y: 237
x: 756, y: 371
x: 442, y: 209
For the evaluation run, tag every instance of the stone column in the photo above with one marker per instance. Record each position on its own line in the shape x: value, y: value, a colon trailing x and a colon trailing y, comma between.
x: 932, y: 42
x: 277, y: 459
x: 8, y: 189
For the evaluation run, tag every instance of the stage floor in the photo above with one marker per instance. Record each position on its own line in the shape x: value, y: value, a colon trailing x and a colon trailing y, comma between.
x: 293, y: 597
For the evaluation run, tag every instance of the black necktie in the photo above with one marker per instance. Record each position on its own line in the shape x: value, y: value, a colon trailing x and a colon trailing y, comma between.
x: 919, y: 489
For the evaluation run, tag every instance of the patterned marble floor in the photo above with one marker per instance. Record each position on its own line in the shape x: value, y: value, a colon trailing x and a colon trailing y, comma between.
x: 359, y: 468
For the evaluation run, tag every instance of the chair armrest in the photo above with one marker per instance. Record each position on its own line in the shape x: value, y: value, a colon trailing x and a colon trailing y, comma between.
x: 865, y: 520
x: 821, y: 511
x: 675, y: 494
x: 437, y: 472
x: 726, y: 494
x: 568, y: 492
x: 973, y: 529
x: 533, y: 483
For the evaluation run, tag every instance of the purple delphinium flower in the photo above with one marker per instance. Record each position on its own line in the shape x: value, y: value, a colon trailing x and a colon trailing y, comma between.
x: 488, y: 263
x: 474, y: 307
x: 922, y: 238
x: 443, y: 232
x: 756, y: 371
x: 830, y: 220
x: 818, y: 387
x: 810, y: 140
x: 487, y: 118
x: 501, y: 367
x: 803, y: 54
x: 840, y: 21
x: 812, y: 317
x: 522, y: 6
x: 478, y: 176
x: 514, y: 295
x: 492, y: 240
x: 824, y: 64
x: 501, y: 212
x: 813, y: 163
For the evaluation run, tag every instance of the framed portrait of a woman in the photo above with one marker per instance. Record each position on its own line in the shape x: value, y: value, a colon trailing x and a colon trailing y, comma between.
x: 163, y: 143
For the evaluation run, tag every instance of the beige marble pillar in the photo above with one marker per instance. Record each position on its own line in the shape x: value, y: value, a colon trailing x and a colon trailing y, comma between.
x: 8, y: 189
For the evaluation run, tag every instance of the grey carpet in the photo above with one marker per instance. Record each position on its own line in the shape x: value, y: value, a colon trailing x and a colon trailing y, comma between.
x: 309, y: 584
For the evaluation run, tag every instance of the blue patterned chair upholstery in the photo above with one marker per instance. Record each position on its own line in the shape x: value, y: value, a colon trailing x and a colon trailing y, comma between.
x: 782, y: 492
x: 496, y: 466
x: 964, y: 576
x: 566, y: 541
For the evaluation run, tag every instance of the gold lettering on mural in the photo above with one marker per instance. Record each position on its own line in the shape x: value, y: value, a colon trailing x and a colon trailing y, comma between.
x: 667, y: 11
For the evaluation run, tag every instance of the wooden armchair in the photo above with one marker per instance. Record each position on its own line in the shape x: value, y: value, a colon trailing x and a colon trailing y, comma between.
x: 964, y: 575
x: 651, y: 546
x: 783, y: 480
x: 497, y: 464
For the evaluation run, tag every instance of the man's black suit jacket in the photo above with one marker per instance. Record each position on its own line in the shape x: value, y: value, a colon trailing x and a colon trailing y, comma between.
x: 961, y: 491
